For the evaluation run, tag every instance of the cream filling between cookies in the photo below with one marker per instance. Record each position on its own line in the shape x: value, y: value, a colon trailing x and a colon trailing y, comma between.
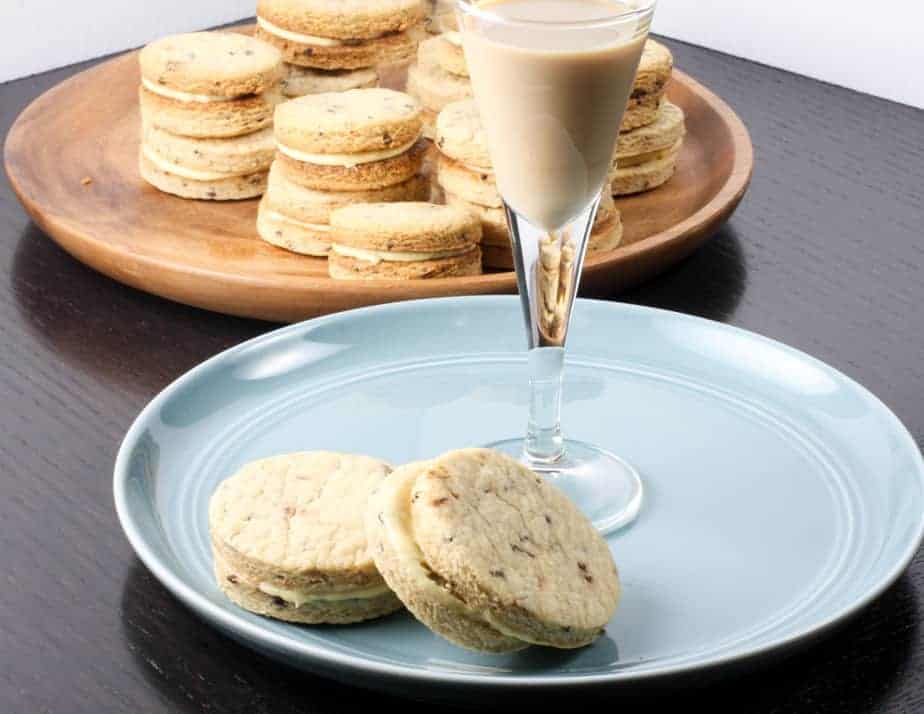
x: 182, y: 96
x: 382, y: 256
x: 276, y: 216
x: 346, y: 160
x: 299, y: 598
x: 453, y: 38
x: 297, y: 36
x: 192, y: 174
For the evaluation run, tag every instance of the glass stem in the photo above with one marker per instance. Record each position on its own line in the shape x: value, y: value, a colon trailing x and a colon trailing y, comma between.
x: 548, y: 266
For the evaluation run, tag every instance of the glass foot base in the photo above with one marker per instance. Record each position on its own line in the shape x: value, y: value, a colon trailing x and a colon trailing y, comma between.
x: 606, y: 489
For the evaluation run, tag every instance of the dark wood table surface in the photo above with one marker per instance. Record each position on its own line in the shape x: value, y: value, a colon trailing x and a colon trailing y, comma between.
x: 826, y: 253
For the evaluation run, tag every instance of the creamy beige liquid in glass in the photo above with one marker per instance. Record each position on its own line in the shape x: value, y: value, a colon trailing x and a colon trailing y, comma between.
x: 551, y: 100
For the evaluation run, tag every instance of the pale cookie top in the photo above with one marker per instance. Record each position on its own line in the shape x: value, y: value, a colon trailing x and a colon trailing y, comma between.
x: 306, y: 80
x: 666, y: 130
x: 342, y: 19
x: 219, y: 64
x: 503, y: 535
x: 408, y: 226
x: 460, y: 136
x: 655, y: 67
x: 355, y: 121
x: 299, y: 512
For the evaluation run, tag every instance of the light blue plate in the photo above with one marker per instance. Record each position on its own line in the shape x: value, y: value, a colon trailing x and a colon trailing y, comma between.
x: 781, y: 496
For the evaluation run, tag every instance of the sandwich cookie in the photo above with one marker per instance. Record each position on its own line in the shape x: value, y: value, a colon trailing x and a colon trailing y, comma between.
x: 349, y: 141
x: 297, y: 218
x: 209, y: 84
x: 351, y: 34
x: 433, y: 85
x: 300, y: 81
x: 289, y: 542
x: 491, y: 556
x: 647, y: 157
x: 403, y: 241
x: 654, y: 72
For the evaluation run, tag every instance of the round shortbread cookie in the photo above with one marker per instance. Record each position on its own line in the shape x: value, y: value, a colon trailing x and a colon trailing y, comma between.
x: 430, y: 83
x: 641, y: 111
x: 310, y: 206
x: 504, y: 542
x: 395, y: 48
x: 342, y: 19
x: 361, y: 177
x: 232, y: 188
x: 474, y: 187
x: 646, y: 176
x: 209, y: 120
x: 344, y: 267
x: 654, y: 69
x: 415, y: 227
x: 236, y: 155
x: 450, y: 55
x: 350, y: 122
x: 299, y: 81
x: 460, y: 136
x: 291, y: 527
x: 392, y: 544
x: 222, y: 64
x: 294, y: 235
x: 664, y: 132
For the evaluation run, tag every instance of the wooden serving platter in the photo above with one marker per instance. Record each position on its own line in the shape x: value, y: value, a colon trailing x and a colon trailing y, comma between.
x: 72, y: 156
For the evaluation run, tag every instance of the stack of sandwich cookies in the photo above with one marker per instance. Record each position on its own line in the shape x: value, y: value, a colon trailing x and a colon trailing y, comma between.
x: 537, y: 574
x: 465, y: 175
x: 439, y: 77
x: 646, y: 157
x: 335, y: 149
x: 403, y: 241
x: 207, y: 102
x: 345, y: 38
x: 654, y: 73
x: 289, y: 542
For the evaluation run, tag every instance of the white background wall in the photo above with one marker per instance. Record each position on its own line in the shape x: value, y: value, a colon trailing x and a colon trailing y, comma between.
x: 876, y: 48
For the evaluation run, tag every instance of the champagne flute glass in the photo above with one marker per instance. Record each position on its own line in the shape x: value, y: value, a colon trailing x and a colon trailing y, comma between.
x: 551, y: 79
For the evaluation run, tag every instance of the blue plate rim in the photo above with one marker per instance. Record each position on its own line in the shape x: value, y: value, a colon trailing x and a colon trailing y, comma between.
x: 252, y: 632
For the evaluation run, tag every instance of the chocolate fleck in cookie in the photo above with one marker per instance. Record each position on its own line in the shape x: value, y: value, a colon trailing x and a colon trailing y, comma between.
x: 654, y: 72
x: 349, y: 34
x: 297, y: 218
x: 209, y: 84
x: 299, y: 81
x: 433, y: 85
x: 350, y: 141
x: 490, y: 555
x: 403, y: 241
x: 289, y: 542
